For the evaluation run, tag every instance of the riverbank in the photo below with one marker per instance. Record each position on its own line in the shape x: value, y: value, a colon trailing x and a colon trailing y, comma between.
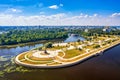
x: 30, y: 43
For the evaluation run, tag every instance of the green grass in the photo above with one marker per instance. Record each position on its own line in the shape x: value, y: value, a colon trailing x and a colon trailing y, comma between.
x: 60, y: 54
x: 54, y: 63
x: 90, y: 47
x: 42, y: 62
x: 21, y: 56
x: 72, y: 53
x: 56, y: 48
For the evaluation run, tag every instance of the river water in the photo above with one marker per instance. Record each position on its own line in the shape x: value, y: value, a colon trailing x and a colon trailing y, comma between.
x: 104, y: 67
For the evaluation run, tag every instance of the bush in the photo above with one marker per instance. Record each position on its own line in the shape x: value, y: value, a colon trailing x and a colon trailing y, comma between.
x: 48, y: 45
x: 96, y: 46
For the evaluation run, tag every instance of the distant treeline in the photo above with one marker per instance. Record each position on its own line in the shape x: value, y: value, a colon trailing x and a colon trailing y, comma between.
x: 95, y: 31
x: 23, y: 36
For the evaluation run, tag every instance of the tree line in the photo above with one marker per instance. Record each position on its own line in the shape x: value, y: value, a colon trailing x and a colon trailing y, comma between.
x: 23, y: 36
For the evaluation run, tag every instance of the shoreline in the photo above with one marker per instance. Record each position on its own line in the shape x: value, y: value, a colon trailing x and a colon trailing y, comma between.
x: 67, y: 64
x: 28, y: 43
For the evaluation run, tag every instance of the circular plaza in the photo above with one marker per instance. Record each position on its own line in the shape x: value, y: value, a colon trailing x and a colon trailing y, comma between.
x: 40, y: 59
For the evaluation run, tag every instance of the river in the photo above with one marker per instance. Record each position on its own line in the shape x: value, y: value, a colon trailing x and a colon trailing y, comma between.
x: 104, y: 67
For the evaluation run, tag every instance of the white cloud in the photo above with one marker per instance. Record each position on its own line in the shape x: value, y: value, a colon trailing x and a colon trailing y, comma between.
x: 58, y: 19
x: 115, y: 15
x: 13, y: 10
x: 85, y: 16
x: 95, y: 15
x: 54, y: 7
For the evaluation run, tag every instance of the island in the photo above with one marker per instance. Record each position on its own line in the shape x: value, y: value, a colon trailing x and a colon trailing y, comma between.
x: 57, y: 55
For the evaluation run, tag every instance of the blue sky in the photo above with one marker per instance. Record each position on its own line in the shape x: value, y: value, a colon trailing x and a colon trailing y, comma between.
x: 60, y: 10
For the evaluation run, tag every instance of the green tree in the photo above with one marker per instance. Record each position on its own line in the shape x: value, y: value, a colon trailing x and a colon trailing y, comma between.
x: 48, y: 45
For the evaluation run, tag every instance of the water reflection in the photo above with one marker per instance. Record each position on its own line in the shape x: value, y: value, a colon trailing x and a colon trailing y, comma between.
x: 15, y: 51
x: 74, y: 38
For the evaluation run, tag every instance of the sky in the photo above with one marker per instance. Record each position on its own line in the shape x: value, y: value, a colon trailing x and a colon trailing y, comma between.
x: 59, y: 12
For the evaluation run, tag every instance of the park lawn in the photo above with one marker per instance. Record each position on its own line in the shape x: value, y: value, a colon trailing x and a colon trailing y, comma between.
x: 22, y: 56
x: 30, y: 62
x: 40, y: 59
x: 90, y: 47
x: 60, y: 54
x: 82, y: 56
x: 54, y: 63
x: 72, y: 53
